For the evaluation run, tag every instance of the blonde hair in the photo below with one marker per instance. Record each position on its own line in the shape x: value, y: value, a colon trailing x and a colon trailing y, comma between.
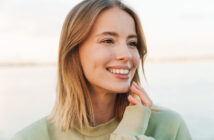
x: 73, y: 105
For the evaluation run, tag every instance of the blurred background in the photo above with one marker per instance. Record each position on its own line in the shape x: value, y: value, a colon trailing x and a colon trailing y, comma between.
x: 179, y: 65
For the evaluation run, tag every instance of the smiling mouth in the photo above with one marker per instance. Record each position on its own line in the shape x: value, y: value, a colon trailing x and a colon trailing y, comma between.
x: 119, y: 71
x: 122, y: 74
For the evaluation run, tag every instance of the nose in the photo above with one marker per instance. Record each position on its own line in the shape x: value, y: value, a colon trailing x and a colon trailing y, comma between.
x: 123, y: 53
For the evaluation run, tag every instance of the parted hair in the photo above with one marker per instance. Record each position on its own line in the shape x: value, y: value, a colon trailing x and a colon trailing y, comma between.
x: 73, y: 105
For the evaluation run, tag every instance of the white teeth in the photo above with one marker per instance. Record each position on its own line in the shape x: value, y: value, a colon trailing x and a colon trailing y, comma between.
x: 120, y: 71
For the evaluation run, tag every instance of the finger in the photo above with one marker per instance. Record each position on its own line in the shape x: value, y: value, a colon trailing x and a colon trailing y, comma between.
x: 144, y: 93
x: 141, y: 89
x: 132, y: 100
x: 131, y: 104
x: 137, y: 92
x: 145, y: 100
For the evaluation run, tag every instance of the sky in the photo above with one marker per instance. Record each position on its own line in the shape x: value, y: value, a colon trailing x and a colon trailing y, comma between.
x: 30, y: 29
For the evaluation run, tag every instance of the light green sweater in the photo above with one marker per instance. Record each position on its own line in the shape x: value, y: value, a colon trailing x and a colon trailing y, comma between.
x: 138, y: 123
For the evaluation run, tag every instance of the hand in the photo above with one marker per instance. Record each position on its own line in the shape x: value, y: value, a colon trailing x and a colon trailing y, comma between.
x: 144, y: 98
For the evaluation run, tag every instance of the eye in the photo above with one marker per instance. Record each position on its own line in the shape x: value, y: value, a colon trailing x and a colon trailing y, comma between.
x: 133, y: 43
x: 107, y: 41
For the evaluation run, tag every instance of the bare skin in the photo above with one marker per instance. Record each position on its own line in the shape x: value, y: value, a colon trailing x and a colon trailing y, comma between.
x: 104, y: 111
x: 103, y: 106
x: 144, y: 98
x: 111, y: 44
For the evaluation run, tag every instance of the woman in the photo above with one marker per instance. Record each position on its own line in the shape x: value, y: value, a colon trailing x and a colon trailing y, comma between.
x: 98, y: 92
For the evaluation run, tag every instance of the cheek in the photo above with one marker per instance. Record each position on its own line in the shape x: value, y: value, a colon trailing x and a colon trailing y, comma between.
x: 136, y: 59
x: 96, y: 60
x: 102, y: 57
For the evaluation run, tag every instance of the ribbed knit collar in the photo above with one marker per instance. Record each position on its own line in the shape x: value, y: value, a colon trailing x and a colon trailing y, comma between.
x: 101, y: 129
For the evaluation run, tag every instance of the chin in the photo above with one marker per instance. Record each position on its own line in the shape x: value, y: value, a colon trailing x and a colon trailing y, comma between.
x: 122, y: 90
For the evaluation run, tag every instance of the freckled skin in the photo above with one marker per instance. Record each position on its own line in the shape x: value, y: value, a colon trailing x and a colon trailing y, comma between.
x: 96, y: 54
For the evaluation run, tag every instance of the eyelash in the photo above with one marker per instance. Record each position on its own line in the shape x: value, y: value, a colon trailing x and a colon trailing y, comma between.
x: 133, y: 43
x: 107, y: 41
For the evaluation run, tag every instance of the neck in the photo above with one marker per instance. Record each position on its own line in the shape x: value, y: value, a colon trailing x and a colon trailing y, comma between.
x: 103, y: 106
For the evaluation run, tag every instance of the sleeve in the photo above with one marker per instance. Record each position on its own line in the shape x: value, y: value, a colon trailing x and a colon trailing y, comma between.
x: 133, y: 124
x: 183, y: 132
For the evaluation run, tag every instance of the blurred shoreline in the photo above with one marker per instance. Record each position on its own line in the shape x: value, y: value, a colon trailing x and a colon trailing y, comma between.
x: 148, y: 60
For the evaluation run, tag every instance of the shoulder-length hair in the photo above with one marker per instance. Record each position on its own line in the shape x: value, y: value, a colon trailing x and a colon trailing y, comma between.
x: 73, y: 105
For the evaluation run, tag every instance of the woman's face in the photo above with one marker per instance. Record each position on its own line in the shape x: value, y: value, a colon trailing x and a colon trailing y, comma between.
x: 109, y: 56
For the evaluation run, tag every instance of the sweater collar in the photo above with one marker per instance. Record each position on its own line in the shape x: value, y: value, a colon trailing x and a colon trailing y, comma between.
x: 101, y: 129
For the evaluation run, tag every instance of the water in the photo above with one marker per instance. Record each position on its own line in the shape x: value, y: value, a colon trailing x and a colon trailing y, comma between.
x: 28, y: 93
x: 187, y: 88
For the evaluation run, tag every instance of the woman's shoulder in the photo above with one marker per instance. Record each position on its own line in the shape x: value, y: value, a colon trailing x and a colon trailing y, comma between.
x: 162, y: 113
x: 165, y: 120
x: 35, y: 131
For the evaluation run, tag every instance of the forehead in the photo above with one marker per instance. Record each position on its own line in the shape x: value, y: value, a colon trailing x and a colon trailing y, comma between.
x: 115, y: 20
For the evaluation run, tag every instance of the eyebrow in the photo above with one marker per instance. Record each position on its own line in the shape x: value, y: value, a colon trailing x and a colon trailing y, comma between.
x: 115, y: 34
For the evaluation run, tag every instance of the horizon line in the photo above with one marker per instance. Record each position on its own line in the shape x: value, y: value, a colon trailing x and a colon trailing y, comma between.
x: 148, y: 60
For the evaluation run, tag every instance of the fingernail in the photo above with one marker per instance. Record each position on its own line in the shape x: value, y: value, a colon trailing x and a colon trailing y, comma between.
x: 135, y: 83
